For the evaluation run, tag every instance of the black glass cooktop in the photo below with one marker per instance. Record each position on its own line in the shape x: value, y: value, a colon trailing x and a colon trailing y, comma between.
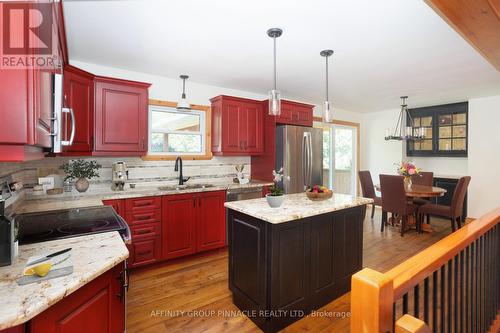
x: 39, y: 227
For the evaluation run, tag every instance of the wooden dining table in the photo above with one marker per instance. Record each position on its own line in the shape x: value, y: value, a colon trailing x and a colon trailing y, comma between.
x: 421, y: 191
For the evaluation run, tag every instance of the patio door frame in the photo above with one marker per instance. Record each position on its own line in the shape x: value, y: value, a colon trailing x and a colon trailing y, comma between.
x: 357, y: 154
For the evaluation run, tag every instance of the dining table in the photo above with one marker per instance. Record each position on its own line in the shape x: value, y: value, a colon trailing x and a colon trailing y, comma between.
x: 421, y: 191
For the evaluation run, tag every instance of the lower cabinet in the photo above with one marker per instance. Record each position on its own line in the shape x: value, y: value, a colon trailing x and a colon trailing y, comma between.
x: 193, y: 222
x: 173, y: 226
x: 97, y: 307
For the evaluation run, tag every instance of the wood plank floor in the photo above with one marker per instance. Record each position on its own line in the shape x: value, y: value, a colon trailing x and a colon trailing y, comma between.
x: 192, y: 295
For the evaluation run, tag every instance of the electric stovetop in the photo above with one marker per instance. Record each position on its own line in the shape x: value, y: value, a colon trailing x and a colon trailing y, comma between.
x: 40, y: 227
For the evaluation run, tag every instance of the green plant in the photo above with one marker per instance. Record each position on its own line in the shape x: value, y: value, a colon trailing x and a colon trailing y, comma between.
x: 75, y: 169
x: 275, y: 190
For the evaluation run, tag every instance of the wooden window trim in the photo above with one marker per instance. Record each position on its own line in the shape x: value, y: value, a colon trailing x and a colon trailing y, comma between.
x: 208, y: 133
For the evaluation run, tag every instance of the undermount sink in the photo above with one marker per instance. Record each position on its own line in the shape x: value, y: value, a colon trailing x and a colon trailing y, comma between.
x: 184, y: 187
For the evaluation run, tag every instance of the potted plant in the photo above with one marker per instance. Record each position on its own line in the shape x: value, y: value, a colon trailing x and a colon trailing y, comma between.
x: 275, y: 196
x: 82, y: 171
x: 407, y: 169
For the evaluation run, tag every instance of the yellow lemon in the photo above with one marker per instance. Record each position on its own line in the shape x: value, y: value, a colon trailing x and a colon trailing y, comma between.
x: 40, y: 270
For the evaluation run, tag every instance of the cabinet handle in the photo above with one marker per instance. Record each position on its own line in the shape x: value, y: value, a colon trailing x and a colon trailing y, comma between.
x: 142, y: 232
x: 144, y: 252
x: 143, y: 217
x: 142, y: 204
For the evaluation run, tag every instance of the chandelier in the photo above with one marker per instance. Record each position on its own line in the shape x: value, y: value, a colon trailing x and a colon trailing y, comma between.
x: 405, y: 133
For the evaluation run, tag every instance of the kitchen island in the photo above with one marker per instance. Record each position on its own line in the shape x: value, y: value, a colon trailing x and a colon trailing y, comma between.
x: 286, y: 262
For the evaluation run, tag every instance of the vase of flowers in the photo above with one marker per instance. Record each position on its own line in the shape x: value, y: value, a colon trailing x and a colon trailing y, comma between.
x: 275, y: 196
x: 407, y: 169
x: 82, y: 171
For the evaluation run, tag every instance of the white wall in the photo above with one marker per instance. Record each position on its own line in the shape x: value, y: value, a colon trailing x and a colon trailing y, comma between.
x: 484, y: 155
x: 378, y: 155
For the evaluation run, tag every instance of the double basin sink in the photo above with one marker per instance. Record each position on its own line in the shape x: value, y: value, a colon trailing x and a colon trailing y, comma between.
x: 184, y: 187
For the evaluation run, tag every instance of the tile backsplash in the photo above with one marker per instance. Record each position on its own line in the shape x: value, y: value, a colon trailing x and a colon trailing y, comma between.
x: 217, y: 169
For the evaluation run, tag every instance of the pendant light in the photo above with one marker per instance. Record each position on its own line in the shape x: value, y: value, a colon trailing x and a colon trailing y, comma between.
x: 327, y: 108
x: 405, y: 133
x: 183, y: 104
x: 274, y: 94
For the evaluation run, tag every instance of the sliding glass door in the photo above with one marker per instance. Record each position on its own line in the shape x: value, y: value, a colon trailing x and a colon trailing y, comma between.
x: 339, y: 158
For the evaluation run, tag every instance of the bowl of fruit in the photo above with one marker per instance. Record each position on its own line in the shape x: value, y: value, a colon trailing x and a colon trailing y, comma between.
x: 318, y: 193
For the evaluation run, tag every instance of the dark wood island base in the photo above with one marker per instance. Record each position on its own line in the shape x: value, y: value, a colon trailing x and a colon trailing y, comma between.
x: 281, y: 272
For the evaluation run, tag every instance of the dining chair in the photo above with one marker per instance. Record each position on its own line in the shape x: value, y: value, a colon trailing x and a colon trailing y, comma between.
x: 454, y: 211
x: 365, y: 178
x: 425, y: 178
x: 394, y: 200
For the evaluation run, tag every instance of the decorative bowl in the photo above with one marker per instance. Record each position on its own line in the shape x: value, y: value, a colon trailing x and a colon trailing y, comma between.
x: 327, y: 194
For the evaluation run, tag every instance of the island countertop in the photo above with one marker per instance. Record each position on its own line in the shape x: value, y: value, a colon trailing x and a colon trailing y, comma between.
x: 92, y: 256
x: 295, y: 206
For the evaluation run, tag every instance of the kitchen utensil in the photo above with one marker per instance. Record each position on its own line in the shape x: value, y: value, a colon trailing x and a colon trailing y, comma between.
x: 48, y: 256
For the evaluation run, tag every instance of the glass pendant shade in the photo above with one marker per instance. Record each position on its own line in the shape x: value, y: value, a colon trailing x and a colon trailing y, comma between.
x: 274, y: 103
x: 183, y: 104
x: 327, y: 112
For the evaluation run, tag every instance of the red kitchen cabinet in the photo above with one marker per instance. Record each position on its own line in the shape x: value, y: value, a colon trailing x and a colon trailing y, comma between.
x: 79, y: 96
x: 117, y: 204
x: 99, y: 306
x: 193, y: 222
x: 237, y: 126
x: 179, y: 212
x: 211, y: 228
x: 121, y: 117
x: 295, y: 113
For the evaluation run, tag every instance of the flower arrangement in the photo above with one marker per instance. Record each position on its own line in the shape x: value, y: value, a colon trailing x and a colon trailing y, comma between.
x: 407, y: 169
x: 277, y: 177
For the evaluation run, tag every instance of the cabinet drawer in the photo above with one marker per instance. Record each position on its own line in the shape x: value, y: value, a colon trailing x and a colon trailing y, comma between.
x: 145, y: 231
x: 141, y: 217
x: 141, y: 204
x: 145, y: 252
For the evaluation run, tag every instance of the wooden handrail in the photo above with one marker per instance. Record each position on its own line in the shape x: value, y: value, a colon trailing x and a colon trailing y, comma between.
x: 414, y: 270
x: 373, y: 293
x: 410, y: 324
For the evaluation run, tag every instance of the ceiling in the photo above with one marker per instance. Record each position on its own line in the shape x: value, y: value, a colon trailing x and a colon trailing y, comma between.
x: 383, y: 49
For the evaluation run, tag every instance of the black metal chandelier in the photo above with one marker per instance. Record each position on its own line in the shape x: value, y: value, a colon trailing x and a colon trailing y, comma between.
x: 405, y: 133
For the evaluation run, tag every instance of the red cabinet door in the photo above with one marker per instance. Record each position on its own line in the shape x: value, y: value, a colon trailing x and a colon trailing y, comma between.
x: 145, y: 252
x: 253, y: 134
x: 96, y: 307
x: 121, y: 117
x: 178, y: 225
x: 231, y: 127
x: 211, y: 227
x: 237, y: 126
x: 295, y: 113
x: 79, y: 96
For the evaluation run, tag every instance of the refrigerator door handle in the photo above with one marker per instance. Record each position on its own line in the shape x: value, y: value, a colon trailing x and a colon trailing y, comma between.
x: 306, y: 159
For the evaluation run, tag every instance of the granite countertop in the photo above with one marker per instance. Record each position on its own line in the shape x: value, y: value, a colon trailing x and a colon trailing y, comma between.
x: 295, y: 206
x: 92, y: 255
x: 97, y: 193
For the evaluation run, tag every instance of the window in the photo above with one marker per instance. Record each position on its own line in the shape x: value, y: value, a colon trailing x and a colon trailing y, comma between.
x: 445, y: 130
x: 173, y: 132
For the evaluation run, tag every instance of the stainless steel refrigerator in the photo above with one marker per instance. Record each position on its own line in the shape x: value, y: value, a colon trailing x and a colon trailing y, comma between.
x: 299, y: 150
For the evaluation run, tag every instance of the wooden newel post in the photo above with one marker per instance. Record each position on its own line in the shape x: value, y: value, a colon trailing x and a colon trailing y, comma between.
x: 372, y: 297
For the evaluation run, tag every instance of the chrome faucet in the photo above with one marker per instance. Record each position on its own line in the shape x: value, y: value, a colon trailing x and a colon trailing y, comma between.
x: 182, y: 180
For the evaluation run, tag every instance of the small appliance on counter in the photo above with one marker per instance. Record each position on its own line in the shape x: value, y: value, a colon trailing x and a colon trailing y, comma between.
x: 8, y: 237
x: 119, y: 174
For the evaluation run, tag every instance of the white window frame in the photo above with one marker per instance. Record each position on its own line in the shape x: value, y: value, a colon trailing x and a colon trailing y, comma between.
x: 202, y: 131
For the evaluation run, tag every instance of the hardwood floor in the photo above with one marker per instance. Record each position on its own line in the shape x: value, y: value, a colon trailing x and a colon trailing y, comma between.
x: 191, y: 294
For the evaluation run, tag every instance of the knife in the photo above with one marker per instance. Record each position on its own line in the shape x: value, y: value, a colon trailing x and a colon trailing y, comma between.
x: 48, y: 256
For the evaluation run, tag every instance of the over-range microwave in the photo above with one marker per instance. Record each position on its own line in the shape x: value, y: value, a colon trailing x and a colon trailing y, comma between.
x: 61, y: 114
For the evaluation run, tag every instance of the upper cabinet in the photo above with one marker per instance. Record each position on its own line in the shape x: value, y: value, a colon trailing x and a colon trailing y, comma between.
x: 121, y: 117
x: 237, y: 126
x: 446, y: 130
x: 79, y: 96
x: 295, y: 113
